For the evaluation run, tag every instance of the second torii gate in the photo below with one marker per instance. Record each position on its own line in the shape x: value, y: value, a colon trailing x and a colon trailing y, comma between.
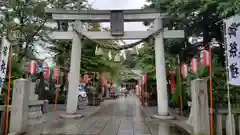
x: 117, y: 33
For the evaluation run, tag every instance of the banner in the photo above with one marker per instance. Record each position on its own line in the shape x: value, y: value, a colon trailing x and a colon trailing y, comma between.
x: 232, y: 40
x: 4, y: 61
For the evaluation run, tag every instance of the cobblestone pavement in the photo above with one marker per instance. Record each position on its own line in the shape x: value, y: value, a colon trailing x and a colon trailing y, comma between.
x: 122, y: 116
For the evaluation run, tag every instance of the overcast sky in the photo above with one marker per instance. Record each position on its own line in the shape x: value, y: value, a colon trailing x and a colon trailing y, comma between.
x: 121, y: 4
x: 114, y: 4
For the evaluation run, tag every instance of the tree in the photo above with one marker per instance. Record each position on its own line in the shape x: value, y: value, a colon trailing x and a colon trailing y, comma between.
x: 27, y: 19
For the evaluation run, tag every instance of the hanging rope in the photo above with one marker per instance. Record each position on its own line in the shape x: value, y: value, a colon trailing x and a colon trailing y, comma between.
x: 107, y: 46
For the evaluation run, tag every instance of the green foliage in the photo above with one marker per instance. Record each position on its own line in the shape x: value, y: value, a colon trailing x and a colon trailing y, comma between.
x: 199, y: 18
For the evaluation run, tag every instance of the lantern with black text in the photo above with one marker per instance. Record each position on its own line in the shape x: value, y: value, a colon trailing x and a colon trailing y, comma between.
x: 194, y: 65
x: 32, y: 67
x: 56, y: 72
x: 205, y: 60
x: 184, y: 70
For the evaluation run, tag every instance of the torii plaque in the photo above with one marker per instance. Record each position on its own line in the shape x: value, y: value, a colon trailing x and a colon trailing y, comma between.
x: 105, y: 16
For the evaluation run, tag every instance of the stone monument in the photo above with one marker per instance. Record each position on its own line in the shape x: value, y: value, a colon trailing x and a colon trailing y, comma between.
x: 199, y: 116
x: 19, y: 108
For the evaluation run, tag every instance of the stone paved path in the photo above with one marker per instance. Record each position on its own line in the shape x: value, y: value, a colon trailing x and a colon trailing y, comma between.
x: 122, y: 116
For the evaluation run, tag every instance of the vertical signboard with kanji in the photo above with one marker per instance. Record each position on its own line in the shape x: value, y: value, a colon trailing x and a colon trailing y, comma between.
x: 4, y: 53
x: 232, y: 39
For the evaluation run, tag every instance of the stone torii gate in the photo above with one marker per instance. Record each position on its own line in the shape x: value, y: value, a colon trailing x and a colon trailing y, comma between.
x: 117, y: 18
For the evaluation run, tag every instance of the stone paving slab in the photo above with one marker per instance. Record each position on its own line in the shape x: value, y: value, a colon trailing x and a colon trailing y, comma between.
x: 117, y: 117
x: 96, y: 128
x: 111, y: 127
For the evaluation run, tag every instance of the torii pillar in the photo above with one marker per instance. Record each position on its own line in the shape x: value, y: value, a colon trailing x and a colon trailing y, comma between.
x: 126, y: 16
x: 162, y: 95
x: 74, y: 74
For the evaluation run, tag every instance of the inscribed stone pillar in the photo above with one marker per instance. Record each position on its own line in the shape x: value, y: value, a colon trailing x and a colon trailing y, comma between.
x: 162, y: 95
x: 74, y: 74
x: 19, y: 108
x: 200, y: 108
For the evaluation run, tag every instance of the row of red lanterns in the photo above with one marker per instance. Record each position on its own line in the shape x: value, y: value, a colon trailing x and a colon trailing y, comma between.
x: 32, y: 69
x: 204, y: 60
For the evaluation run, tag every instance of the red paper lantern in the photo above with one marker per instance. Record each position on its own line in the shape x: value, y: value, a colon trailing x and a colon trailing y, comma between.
x: 46, y: 71
x: 205, y: 59
x: 56, y: 72
x: 85, y: 78
x: 194, y: 65
x: 184, y: 70
x: 32, y: 67
x: 145, y: 78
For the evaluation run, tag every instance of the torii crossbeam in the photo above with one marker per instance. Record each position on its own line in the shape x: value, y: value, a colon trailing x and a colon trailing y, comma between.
x: 121, y: 16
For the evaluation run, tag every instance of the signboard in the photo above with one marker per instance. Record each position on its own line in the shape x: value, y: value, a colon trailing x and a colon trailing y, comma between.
x: 232, y: 39
x: 117, y: 23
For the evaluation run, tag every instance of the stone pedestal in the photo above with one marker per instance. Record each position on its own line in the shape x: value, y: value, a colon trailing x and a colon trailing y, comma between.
x: 35, y: 106
x: 164, y: 117
x: 71, y: 116
x: 35, y: 113
x: 19, y: 109
x: 200, y: 108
